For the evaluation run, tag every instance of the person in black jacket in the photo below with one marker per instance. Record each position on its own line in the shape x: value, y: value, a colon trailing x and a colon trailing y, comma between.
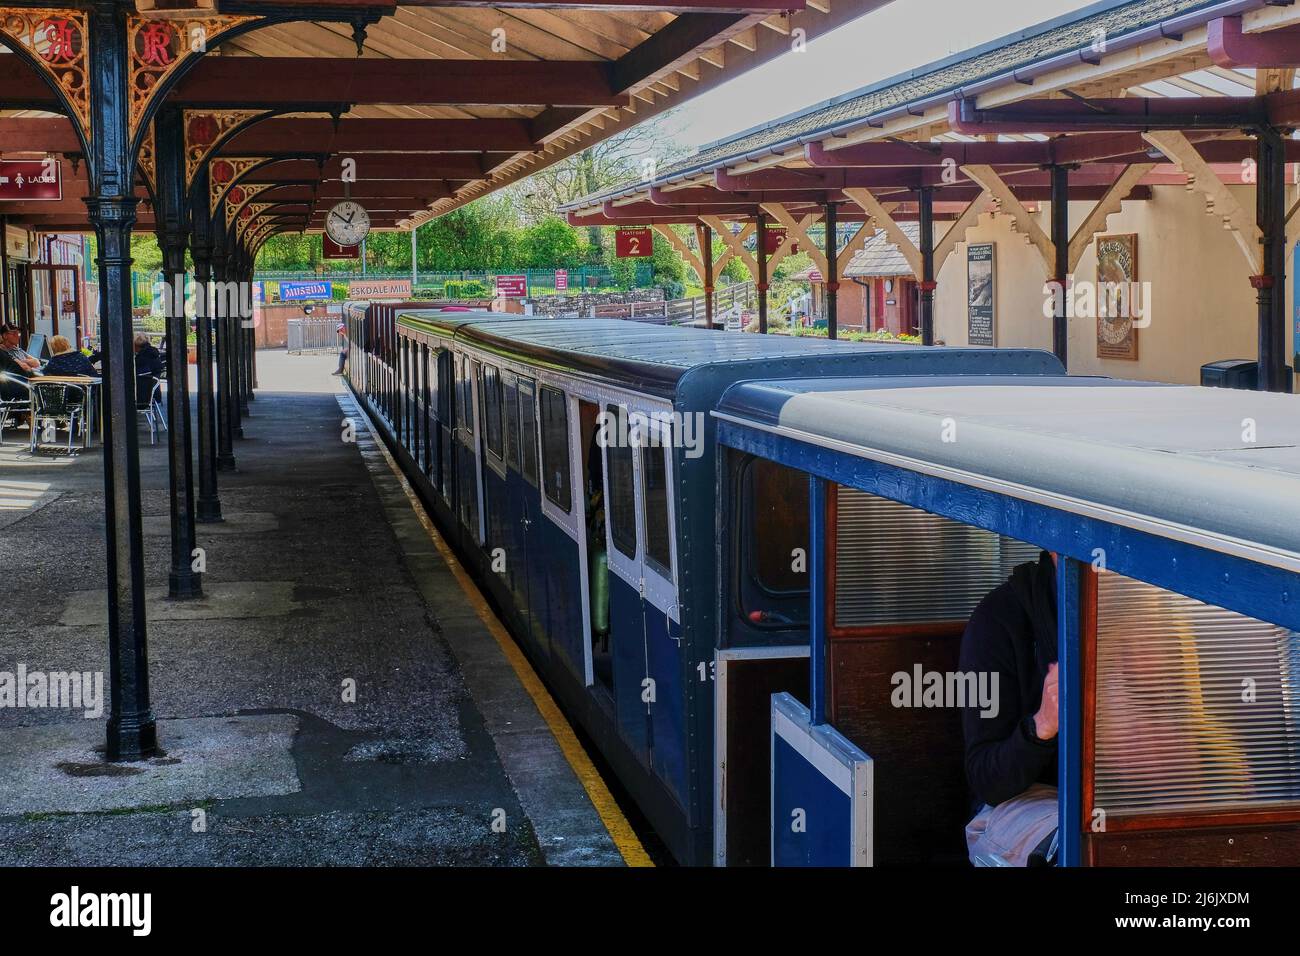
x: 148, y: 367
x: 1011, y: 751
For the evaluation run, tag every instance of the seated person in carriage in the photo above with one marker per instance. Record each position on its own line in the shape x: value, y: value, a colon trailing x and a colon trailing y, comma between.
x: 1011, y: 754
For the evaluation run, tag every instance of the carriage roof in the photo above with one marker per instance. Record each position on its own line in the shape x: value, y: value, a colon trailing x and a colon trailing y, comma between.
x: 654, y: 358
x: 1216, y: 468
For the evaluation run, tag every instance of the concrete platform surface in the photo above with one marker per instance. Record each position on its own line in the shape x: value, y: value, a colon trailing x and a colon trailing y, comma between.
x: 331, y: 701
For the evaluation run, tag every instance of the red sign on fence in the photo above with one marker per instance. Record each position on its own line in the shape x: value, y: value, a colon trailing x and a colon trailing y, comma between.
x: 332, y: 250
x: 561, y: 280
x: 774, y: 239
x: 30, y: 180
x: 633, y: 243
x: 512, y: 287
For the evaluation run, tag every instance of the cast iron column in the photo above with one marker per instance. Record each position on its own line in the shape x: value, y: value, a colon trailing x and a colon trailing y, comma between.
x: 760, y: 252
x: 925, y: 227
x: 1270, y: 285
x: 182, y: 581
x: 225, y: 427
x: 1061, y: 240
x: 111, y: 204
x: 209, y: 504
x: 832, y: 274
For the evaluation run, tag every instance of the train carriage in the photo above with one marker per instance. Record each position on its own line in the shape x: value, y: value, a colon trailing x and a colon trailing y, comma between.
x: 1174, y: 515
x: 573, y: 465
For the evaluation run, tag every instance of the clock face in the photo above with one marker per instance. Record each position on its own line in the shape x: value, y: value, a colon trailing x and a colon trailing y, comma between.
x: 347, y: 223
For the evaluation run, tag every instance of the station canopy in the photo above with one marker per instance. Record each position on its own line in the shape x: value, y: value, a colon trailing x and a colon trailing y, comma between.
x: 448, y: 100
x: 1126, y: 95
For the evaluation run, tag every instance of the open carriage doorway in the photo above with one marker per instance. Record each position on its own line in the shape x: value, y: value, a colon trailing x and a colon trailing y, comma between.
x: 54, y: 297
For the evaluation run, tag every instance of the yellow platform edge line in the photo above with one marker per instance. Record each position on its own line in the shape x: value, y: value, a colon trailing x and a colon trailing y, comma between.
x: 620, y: 831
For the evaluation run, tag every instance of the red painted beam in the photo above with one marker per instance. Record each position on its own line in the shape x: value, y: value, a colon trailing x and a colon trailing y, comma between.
x: 243, y: 81
x: 928, y: 154
x: 382, y: 135
x: 1135, y: 113
x: 375, y: 166
x: 1229, y: 45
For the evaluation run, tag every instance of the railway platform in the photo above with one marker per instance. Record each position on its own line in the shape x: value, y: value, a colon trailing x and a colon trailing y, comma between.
x: 341, y: 694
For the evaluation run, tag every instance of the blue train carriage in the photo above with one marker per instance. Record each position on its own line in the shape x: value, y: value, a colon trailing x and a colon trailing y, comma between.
x: 1175, y: 515
x: 582, y: 488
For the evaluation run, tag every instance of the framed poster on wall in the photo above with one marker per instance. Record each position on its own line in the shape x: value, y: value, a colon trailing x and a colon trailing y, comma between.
x: 981, y: 296
x: 1117, y: 264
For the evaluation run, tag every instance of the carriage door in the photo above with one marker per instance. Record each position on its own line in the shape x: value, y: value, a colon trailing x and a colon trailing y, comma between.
x: 661, y: 610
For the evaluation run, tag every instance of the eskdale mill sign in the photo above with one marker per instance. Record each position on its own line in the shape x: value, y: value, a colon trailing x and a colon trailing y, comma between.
x: 30, y: 180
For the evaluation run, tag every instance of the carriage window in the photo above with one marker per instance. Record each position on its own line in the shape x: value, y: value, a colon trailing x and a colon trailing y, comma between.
x: 654, y: 491
x: 512, y: 420
x: 778, y: 523
x: 527, y: 432
x: 1176, y: 730
x: 491, y: 398
x: 622, y: 492
x: 895, y: 564
x: 555, y: 448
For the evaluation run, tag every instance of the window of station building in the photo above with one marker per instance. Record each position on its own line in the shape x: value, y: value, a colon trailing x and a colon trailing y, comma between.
x: 622, y: 489
x: 654, y: 493
x: 527, y: 431
x: 491, y: 399
x: 555, y: 448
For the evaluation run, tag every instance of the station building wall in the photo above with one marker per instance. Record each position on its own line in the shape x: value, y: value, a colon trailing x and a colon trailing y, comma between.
x: 1203, y: 307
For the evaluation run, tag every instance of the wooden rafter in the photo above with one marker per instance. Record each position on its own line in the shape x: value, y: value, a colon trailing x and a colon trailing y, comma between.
x: 1219, y: 199
x: 795, y: 231
x: 735, y: 244
x: 870, y: 205
x: 1108, y: 205
x: 1010, y: 205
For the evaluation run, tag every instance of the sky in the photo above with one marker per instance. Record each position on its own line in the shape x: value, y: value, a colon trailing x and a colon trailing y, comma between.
x: 900, y: 36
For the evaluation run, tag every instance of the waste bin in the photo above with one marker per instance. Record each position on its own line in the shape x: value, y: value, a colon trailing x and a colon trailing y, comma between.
x: 1231, y: 373
x: 1236, y: 373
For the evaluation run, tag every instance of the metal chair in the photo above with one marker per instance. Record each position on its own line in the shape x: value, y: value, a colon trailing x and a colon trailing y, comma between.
x: 55, y: 402
x: 156, y: 398
x: 151, y: 407
x: 15, y: 399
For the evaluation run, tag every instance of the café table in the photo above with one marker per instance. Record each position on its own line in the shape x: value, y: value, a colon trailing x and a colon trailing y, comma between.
x: 90, y: 390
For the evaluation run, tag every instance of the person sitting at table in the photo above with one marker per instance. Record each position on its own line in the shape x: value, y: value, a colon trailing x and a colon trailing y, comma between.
x: 13, y: 358
x: 148, y: 367
x: 68, y: 361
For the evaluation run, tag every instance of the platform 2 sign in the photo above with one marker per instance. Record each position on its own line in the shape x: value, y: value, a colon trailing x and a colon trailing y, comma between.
x: 30, y: 180
x: 981, y: 301
x: 302, y: 291
x: 634, y: 243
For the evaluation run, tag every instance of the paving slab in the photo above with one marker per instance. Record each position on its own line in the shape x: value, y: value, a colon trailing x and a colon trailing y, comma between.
x: 60, y: 768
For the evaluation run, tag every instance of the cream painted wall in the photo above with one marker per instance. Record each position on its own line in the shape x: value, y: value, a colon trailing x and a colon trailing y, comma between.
x: 1202, y: 305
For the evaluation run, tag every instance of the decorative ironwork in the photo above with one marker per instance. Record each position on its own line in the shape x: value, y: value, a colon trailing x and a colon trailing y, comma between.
x: 239, y: 198
x: 159, y: 47
x: 204, y: 132
x: 58, y: 40
x: 225, y: 171
x: 250, y: 214
x: 147, y: 161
